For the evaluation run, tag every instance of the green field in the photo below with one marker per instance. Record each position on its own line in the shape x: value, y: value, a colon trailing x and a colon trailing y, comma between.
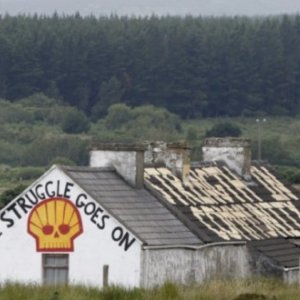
x: 214, y: 290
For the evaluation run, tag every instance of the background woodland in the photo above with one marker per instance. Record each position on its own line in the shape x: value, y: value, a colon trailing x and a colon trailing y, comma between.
x: 69, y: 82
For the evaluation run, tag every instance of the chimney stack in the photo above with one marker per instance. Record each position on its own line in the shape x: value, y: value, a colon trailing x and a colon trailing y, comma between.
x: 127, y: 159
x: 174, y: 156
x: 234, y: 152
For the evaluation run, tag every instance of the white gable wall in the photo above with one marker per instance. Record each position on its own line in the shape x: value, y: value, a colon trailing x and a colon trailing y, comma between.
x: 103, y: 241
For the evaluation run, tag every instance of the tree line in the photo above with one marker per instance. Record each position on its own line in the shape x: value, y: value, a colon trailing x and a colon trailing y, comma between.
x: 192, y: 66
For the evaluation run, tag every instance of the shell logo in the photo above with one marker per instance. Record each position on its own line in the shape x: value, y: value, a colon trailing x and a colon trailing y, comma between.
x: 55, y: 223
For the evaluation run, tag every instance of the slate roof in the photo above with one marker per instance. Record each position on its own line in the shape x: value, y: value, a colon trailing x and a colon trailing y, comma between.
x: 283, y: 251
x: 225, y: 208
x: 139, y: 211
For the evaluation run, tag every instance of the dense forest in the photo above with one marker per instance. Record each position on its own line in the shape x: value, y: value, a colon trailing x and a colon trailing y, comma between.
x: 70, y: 82
x: 193, y: 66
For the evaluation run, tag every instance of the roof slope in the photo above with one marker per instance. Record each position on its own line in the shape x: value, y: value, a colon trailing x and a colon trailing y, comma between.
x: 137, y: 210
x: 264, y: 212
x: 283, y: 251
x: 226, y: 207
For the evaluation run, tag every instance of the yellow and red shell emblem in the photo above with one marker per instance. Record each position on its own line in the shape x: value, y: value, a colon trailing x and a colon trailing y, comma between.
x: 55, y: 223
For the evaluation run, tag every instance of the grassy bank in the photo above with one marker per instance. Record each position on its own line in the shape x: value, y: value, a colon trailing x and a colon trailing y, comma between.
x: 215, y: 290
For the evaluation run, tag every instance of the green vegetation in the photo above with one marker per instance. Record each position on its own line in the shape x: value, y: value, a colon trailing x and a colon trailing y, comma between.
x: 32, y: 132
x: 280, y: 141
x: 75, y: 122
x: 66, y: 82
x: 33, y: 135
x: 192, y: 66
x: 10, y: 194
x: 213, y: 290
x: 223, y: 130
x: 126, y: 124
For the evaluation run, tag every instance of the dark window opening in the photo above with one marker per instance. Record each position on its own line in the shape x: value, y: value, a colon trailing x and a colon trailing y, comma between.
x: 105, y: 275
x: 55, y: 269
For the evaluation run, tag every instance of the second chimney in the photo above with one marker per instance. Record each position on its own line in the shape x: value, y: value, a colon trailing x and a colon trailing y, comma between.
x: 174, y: 156
x: 234, y: 152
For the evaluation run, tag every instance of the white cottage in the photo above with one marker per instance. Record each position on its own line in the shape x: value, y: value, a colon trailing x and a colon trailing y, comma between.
x: 83, y: 225
x: 137, y: 218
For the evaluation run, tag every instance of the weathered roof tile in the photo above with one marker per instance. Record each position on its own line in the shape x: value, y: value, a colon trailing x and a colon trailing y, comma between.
x: 264, y: 212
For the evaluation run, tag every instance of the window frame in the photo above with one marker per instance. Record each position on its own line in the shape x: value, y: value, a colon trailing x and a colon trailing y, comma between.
x: 46, y: 266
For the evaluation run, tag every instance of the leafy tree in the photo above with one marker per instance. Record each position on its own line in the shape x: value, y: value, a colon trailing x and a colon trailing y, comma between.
x: 75, y: 121
x: 110, y: 92
x: 43, y: 151
x: 118, y: 115
x: 140, y: 123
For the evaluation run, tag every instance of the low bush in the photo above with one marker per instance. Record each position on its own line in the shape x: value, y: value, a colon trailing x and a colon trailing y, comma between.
x: 224, y: 129
x: 75, y: 121
x: 10, y: 194
x: 28, y: 173
x: 291, y: 174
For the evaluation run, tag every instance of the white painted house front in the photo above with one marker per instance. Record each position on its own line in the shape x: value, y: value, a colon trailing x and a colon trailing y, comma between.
x: 56, y: 218
x: 140, y: 219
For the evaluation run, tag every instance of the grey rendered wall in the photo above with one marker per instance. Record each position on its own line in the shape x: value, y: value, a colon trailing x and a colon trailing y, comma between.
x: 291, y: 276
x: 262, y: 265
x: 187, y: 266
x: 222, y: 262
x: 159, y: 266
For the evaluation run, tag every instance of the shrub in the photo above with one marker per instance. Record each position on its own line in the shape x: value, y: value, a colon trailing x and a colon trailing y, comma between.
x: 75, y: 121
x: 10, y: 194
x: 43, y: 151
x: 291, y: 174
x: 192, y: 134
x: 10, y: 154
x: 59, y: 160
x: 118, y: 116
x: 28, y: 173
x: 225, y: 129
x: 276, y: 152
x: 140, y: 123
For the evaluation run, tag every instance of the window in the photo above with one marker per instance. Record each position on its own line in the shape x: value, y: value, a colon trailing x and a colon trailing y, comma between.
x: 55, y: 269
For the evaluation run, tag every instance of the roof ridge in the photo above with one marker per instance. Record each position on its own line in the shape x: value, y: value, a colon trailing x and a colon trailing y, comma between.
x: 85, y: 168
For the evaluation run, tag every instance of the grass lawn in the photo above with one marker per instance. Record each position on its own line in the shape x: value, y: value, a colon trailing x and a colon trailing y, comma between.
x: 259, y: 289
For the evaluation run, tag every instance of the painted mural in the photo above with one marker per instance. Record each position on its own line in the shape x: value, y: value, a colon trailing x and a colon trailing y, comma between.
x: 54, y: 213
x: 55, y: 223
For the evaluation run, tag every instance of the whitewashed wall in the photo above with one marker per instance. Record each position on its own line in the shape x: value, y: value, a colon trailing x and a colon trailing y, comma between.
x: 187, y: 266
x: 292, y: 276
x: 94, y: 248
x: 125, y: 162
